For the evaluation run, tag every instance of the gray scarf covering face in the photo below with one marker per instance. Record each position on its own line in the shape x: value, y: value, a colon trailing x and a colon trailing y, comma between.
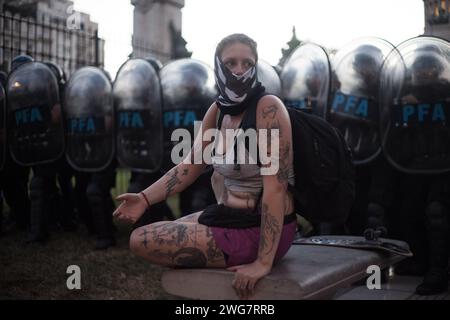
x: 235, y: 90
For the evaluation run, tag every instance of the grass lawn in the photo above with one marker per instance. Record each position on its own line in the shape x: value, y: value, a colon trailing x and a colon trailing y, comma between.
x: 37, y: 271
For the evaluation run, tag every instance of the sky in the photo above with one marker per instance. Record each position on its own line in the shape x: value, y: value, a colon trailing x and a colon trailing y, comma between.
x: 330, y: 23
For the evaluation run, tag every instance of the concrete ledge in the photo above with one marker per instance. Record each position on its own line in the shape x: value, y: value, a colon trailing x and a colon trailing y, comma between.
x: 306, y: 272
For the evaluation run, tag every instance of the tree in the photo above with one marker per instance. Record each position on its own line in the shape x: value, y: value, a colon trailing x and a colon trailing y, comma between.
x: 293, y: 44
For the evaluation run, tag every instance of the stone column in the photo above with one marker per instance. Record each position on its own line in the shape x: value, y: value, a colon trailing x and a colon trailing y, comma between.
x: 152, y: 34
x: 437, y: 25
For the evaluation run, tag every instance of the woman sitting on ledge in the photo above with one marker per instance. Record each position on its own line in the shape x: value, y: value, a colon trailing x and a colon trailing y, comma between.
x: 254, y: 226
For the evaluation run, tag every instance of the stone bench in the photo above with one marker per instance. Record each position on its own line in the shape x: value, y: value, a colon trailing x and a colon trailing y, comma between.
x: 306, y: 272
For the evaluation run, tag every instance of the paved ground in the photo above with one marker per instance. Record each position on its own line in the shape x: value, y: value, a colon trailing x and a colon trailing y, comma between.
x: 397, y: 288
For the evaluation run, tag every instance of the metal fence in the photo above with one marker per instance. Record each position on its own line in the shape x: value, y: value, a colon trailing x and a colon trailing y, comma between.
x: 52, y: 41
x: 70, y: 49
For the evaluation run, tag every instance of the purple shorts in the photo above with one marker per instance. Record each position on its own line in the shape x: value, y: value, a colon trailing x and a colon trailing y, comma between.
x: 240, y: 246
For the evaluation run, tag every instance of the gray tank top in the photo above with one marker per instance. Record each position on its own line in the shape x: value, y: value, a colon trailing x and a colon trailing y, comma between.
x: 244, y: 177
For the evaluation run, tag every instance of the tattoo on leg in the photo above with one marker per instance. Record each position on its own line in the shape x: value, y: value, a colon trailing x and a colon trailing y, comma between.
x: 185, y: 172
x: 145, y: 241
x: 159, y: 254
x: 185, y: 257
x: 182, y: 234
x: 189, y: 258
x: 175, y: 234
x: 213, y: 253
x: 183, y: 251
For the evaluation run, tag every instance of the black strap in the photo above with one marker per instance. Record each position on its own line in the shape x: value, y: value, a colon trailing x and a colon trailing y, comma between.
x: 249, y: 119
x: 248, y: 122
x: 219, y: 215
x: 220, y: 119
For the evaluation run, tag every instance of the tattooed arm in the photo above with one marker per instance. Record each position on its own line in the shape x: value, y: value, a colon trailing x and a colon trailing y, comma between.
x: 133, y: 205
x: 271, y: 115
x: 185, y: 173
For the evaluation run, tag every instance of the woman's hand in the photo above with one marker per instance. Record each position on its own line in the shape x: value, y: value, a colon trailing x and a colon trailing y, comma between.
x: 247, y: 276
x: 132, y: 207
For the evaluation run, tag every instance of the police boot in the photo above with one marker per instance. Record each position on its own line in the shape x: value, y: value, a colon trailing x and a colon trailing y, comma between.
x: 436, y: 278
x: 82, y: 203
x: 376, y: 217
x: 16, y: 194
x: 102, y: 217
x: 1, y: 214
x: 40, y: 207
x: 66, y: 214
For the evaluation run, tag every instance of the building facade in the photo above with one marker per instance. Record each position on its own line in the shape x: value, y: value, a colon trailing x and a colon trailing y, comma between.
x: 49, y: 30
x: 437, y: 23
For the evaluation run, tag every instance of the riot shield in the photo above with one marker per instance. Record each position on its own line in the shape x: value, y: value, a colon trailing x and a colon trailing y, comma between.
x: 415, y: 106
x: 137, y: 100
x: 58, y: 72
x: 89, y: 116
x: 188, y: 88
x: 35, y: 125
x: 305, y: 79
x: 269, y: 78
x: 156, y: 64
x: 2, y: 125
x: 3, y: 79
x: 353, y: 108
x: 20, y: 60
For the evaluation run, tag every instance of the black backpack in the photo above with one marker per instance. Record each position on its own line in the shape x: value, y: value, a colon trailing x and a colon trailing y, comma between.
x: 324, y: 189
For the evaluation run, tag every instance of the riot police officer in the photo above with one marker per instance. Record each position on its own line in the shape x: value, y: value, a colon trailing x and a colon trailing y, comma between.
x: 188, y: 90
x: 89, y: 114
x: 306, y: 79
x: 138, y: 103
x: 415, y: 98
x: 354, y: 111
x: 35, y: 135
